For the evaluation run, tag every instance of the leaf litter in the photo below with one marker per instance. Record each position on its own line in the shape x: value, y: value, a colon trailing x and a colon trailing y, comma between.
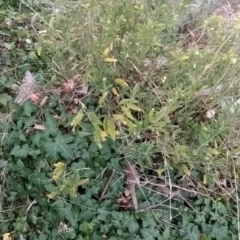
x: 27, y: 89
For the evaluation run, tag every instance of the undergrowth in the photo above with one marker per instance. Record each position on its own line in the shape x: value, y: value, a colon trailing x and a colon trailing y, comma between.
x: 124, y: 84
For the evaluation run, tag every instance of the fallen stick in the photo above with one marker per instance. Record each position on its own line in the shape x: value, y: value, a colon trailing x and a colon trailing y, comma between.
x: 107, y: 185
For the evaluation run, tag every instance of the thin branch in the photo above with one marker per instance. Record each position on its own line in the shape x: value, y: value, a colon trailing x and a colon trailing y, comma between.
x: 107, y: 185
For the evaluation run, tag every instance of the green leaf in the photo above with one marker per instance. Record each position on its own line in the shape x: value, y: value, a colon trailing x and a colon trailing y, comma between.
x: 20, y: 152
x: 51, y: 125
x: 28, y: 108
x: 61, y: 146
x: 38, y: 180
x: 131, y: 224
x: 65, y: 212
x: 219, y: 232
x: 51, y: 22
x: 149, y: 233
x: 192, y: 232
x: 9, y: 46
x: 4, y: 98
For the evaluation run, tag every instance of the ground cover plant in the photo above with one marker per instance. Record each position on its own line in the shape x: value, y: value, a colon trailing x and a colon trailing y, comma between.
x: 119, y: 120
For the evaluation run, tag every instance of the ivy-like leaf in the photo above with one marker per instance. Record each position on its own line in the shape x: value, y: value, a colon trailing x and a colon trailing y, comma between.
x: 149, y: 233
x: 38, y: 180
x: 51, y: 125
x: 65, y: 212
x: 219, y: 232
x: 28, y: 108
x: 60, y: 146
x: 131, y: 224
x: 20, y: 152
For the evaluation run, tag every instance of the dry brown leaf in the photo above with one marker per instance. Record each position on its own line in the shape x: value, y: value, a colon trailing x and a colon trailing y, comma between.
x: 28, y: 130
x: 44, y: 101
x: 127, y: 193
x: 39, y: 127
x: 27, y: 88
x: 84, y: 89
x: 69, y: 85
x: 124, y: 201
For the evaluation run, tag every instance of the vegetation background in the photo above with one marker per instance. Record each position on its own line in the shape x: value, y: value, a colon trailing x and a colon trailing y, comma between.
x: 119, y: 120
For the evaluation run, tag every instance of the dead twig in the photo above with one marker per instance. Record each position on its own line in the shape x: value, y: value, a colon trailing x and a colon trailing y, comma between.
x: 107, y: 185
x: 133, y: 180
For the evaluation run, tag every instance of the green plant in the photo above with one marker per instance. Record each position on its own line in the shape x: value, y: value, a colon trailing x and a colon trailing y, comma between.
x: 155, y: 98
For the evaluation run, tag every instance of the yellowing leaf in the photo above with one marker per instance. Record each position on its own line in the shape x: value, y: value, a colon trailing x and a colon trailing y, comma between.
x: 106, y: 52
x: 151, y: 115
x: 72, y: 191
x: 85, y: 5
x: 83, y: 181
x: 213, y: 151
x: 7, y: 236
x: 109, y: 127
x: 48, y: 42
x: 186, y: 170
x: 127, y: 112
x: 205, y: 179
x: 111, y: 47
x: 118, y: 117
x: 183, y: 58
x: 102, y: 98
x: 131, y: 126
x: 121, y: 82
x: 99, y: 136
x: 133, y: 107
x: 51, y: 21
x: 59, y: 169
x: 115, y: 92
x: 52, y: 195
x: 39, y: 50
x: 207, y: 67
x: 124, y: 101
x: 94, y: 119
x: 110, y: 60
x: 103, y: 135
x: 77, y: 119
x: 160, y: 171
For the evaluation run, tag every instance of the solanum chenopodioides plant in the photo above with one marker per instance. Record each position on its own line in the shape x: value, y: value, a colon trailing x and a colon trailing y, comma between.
x: 65, y: 183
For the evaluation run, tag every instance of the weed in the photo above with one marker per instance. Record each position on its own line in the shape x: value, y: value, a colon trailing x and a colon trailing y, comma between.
x: 120, y: 83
